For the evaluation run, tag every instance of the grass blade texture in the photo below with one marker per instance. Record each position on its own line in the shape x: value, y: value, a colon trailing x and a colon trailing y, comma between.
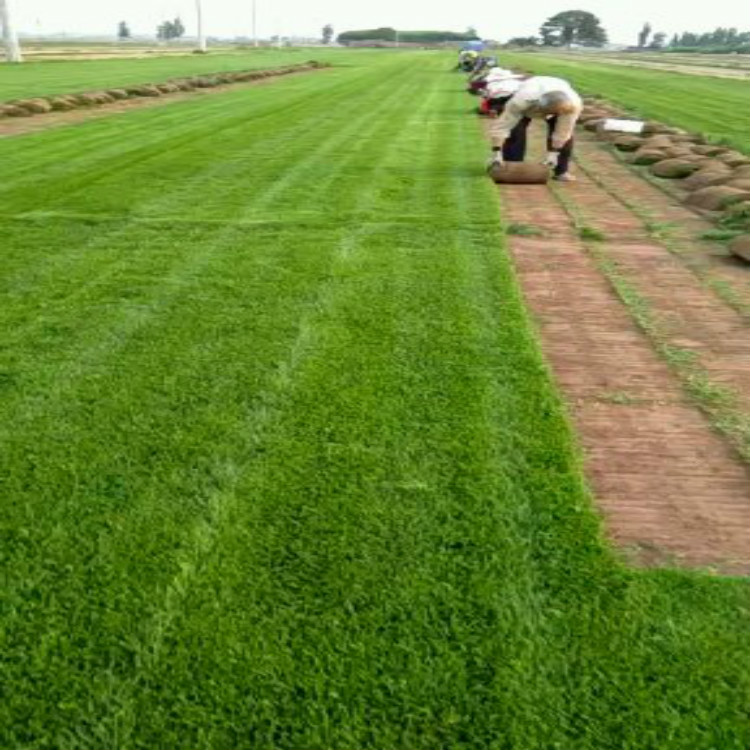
x: 282, y: 465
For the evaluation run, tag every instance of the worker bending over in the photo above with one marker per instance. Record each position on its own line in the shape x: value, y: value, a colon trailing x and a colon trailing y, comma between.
x: 482, y: 65
x: 467, y: 59
x: 552, y: 99
x: 499, y: 86
x: 477, y: 82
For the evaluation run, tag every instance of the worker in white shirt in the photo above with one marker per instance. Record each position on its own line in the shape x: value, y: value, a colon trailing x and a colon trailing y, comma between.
x: 552, y: 99
x: 477, y: 79
x: 499, y: 87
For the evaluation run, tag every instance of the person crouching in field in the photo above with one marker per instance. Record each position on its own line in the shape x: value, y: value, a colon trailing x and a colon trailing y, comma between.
x: 482, y: 65
x: 467, y: 60
x: 479, y: 74
x: 552, y: 99
x: 499, y: 87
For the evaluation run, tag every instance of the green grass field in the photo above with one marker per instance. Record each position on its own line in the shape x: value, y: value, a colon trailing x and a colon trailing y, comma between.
x: 48, y: 77
x: 716, y: 107
x: 282, y: 466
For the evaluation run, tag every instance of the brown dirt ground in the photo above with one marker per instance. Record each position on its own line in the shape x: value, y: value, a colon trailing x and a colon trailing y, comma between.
x: 10, y: 126
x: 671, y: 489
x: 684, y: 226
x: 694, y: 317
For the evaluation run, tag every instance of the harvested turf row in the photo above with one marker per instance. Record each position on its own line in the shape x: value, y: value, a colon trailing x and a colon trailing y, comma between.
x: 640, y: 437
x: 689, y: 316
x: 10, y: 127
x: 674, y: 225
x: 715, y: 179
x: 87, y: 99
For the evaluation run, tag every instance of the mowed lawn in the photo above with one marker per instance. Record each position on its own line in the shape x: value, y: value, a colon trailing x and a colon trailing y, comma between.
x: 717, y: 107
x: 282, y: 465
x: 48, y: 77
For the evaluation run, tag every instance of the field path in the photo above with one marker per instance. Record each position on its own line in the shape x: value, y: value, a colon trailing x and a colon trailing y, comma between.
x: 614, y: 313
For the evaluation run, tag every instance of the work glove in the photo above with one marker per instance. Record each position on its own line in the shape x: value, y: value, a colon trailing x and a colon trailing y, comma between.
x: 551, y: 159
x: 495, y: 160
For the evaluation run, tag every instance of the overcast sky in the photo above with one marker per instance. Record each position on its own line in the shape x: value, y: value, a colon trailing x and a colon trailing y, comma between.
x: 495, y: 19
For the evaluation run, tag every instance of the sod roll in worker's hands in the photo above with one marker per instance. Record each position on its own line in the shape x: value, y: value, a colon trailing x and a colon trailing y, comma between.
x: 495, y: 160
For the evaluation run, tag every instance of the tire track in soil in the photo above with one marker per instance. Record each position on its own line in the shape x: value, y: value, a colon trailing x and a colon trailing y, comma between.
x: 671, y: 490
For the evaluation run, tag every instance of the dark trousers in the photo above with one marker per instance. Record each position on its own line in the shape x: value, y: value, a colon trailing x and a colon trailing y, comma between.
x: 498, y: 105
x: 514, y: 149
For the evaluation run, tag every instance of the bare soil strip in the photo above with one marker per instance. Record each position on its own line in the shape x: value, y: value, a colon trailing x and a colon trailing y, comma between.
x: 672, y: 490
x: 10, y: 126
x: 675, y: 224
x: 690, y: 314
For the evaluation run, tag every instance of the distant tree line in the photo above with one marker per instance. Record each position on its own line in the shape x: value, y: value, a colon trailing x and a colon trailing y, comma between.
x: 388, y: 34
x: 583, y: 29
x: 718, y: 40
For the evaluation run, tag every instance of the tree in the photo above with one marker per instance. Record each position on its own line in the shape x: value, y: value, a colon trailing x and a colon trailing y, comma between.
x: 718, y: 40
x: 170, y: 30
x: 573, y: 27
x: 123, y: 31
x: 472, y: 32
x: 658, y: 41
x: 327, y: 33
x: 644, y: 34
x: 688, y: 39
x: 178, y: 28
